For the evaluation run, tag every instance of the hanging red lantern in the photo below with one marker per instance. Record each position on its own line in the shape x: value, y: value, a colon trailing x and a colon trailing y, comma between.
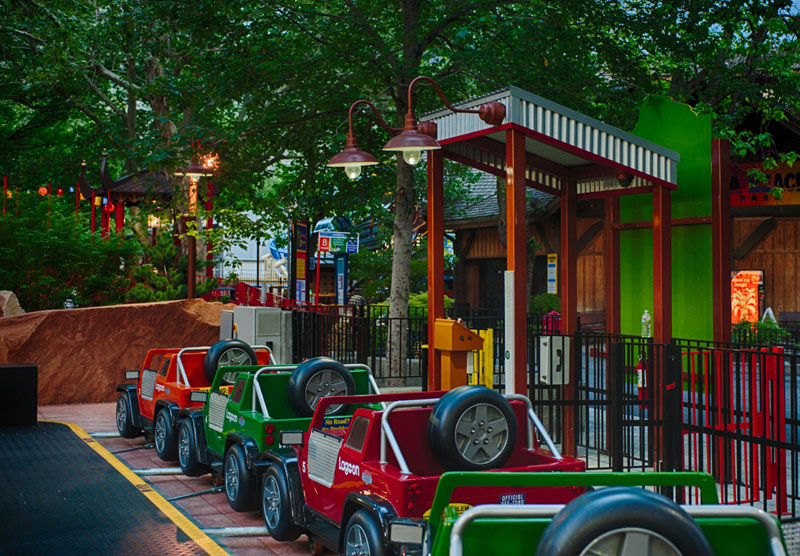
x: 60, y: 192
x: 42, y: 191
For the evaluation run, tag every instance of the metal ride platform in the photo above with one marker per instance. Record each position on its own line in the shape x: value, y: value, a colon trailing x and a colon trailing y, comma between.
x: 61, y: 492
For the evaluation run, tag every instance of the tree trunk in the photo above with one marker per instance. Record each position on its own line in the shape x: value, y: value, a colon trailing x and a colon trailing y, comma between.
x: 397, y: 348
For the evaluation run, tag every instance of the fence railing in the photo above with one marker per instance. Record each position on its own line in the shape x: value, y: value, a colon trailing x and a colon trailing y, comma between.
x: 630, y: 404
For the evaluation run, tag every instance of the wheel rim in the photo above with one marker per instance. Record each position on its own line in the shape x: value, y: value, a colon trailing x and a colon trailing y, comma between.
x: 232, y: 477
x: 233, y: 356
x: 122, y: 414
x: 630, y: 541
x: 357, y: 543
x: 481, y: 433
x: 183, y: 446
x: 322, y: 384
x: 160, y: 432
x: 272, y: 502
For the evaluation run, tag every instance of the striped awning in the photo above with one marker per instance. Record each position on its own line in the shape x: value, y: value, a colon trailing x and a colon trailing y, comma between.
x: 561, y: 145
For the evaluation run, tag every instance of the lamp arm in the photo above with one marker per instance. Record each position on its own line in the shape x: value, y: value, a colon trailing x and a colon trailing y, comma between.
x: 439, y: 92
x: 381, y: 121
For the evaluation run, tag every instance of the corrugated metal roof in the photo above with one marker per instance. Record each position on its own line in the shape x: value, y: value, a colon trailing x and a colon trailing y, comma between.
x: 561, y: 136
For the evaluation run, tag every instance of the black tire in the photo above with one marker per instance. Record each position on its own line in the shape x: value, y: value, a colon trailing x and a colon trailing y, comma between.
x: 472, y: 428
x: 609, y: 517
x: 187, y: 451
x: 225, y: 353
x: 125, y: 418
x: 317, y: 378
x: 276, y: 507
x: 362, y: 537
x: 165, y: 436
x: 241, y: 486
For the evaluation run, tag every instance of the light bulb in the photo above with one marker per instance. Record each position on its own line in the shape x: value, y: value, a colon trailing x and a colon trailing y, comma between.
x: 353, y: 171
x: 412, y: 157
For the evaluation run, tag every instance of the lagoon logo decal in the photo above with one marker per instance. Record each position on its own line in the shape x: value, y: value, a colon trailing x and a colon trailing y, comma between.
x: 230, y: 416
x: 348, y: 468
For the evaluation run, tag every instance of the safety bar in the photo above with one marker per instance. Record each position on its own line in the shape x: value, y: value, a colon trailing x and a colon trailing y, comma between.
x: 538, y: 424
x: 550, y: 510
x: 387, y: 434
x: 182, y: 370
x: 283, y: 368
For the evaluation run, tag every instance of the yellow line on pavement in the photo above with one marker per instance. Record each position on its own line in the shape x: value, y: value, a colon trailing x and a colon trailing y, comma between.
x: 184, y: 523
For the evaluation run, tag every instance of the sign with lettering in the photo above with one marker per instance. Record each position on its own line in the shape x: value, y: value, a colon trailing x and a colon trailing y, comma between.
x: 746, y: 192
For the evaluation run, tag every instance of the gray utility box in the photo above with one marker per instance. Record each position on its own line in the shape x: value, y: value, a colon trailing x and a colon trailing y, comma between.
x: 554, y: 354
x: 266, y: 326
x: 225, y: 325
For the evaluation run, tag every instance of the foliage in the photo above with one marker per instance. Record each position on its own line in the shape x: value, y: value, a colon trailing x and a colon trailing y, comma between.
x: 544, y: 303
x: 766, y: 332
x: 49, y: 259
x: 164, y: 276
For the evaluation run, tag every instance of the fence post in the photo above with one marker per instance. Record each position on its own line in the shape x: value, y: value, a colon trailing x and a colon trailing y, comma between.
x: 672, y: 395
x: 577, y: 375
x: 615, y: 413
x: 362, y: 334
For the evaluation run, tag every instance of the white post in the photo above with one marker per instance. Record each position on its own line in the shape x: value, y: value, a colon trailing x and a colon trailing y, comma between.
x: 510, y: 367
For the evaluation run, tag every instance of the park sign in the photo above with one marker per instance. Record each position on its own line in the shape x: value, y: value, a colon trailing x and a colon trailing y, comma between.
x: 337, y: 242
x: 745, y: 191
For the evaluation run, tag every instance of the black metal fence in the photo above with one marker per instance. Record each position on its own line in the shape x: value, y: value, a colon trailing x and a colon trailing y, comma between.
x: 360, y: 335
x: 629, y: 404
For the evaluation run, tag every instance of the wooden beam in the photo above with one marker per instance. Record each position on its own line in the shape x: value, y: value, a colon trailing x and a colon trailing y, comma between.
x: 694, y: 221
x: 588, y: 236
x: 754, y: 238
x: 569, y: 260
x: 516, y: 260
x: 435, y: 218
x: 662, y: 266
x: 611, y: 265
x: 542, y: 233
x: 721, y: 239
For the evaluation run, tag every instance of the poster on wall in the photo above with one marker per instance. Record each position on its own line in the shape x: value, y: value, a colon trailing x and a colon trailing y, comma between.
x: 747, y: 295
x: 552, y: 273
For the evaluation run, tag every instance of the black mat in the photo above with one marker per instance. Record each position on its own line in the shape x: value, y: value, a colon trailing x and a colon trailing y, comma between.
x: 58, y: 496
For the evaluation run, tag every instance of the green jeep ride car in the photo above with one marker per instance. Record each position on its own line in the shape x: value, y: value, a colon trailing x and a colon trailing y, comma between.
x: 620, y: 520
x: 230, y: 433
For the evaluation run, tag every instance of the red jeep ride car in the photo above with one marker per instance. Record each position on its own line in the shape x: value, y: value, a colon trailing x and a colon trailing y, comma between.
x: 352, y: 477
x: 165, y: 384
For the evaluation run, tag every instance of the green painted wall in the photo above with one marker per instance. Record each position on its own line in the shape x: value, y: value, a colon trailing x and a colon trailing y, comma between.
x: 676, y: 127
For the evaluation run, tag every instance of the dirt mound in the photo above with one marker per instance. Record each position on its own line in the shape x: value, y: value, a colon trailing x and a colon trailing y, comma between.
x: 82, y: 354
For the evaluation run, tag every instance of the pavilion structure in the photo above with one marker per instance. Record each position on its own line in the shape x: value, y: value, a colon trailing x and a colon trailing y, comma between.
x: 552, y: 148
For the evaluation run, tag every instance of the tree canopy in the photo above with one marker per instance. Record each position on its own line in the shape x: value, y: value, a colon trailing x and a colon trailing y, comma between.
x: 267, y: 85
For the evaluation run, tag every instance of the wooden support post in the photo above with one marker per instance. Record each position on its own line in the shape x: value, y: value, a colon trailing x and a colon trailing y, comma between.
x: 611, y: 265
x: 662, y: 265
x: 516, y: 261
x: 435, y: 193
x: 209, y: 226
x: 721, y: 238
x: 119, y: 215
x: 569, y: 258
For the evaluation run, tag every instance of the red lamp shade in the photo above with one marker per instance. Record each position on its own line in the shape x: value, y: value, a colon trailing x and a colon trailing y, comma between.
x: 352, y: 158
x: 42, y: 191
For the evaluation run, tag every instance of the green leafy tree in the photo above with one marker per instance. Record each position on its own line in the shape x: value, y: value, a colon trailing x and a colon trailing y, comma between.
x: 49, y: 259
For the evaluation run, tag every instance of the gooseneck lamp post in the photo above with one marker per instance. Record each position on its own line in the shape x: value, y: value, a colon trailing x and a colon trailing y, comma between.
x: 412, y: 138
x: 194, y: 171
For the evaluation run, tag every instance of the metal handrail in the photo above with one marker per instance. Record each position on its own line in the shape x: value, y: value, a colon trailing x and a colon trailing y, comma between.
x: 182, y: 370
x: 550, y: 510
x: 538, y: 424
x: 388, y: 435
x: 283, y: 368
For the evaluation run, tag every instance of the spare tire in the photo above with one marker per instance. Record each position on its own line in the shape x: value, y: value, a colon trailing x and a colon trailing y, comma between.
x: 472, y: 428
x: 318, y: 378
x: 226, y: 353
x: 623, y: 520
